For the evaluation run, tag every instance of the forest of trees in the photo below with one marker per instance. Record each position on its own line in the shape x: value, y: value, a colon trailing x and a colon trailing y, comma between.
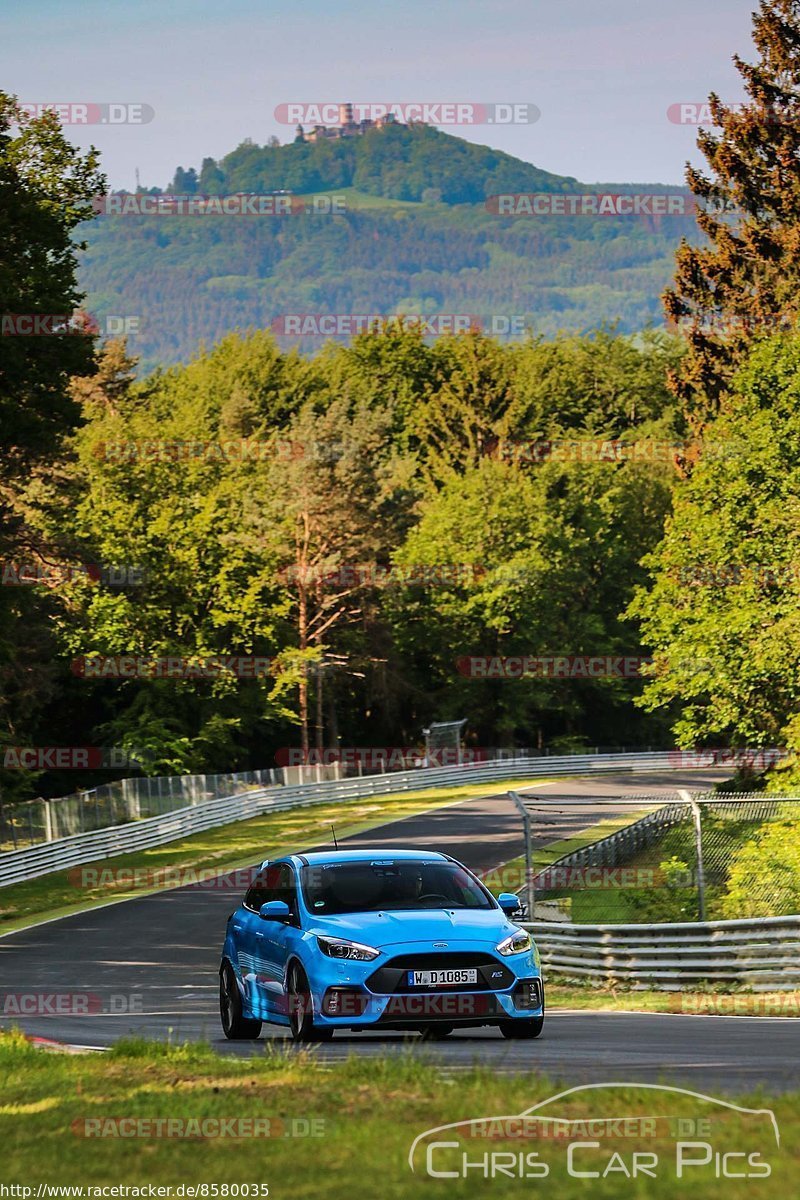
x: 402, y: 162
x: 406, y: 242
x: 367, y: 518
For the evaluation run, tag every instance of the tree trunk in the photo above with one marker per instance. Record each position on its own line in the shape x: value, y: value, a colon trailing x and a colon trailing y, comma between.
x: 320, y: 718
x: 303, y: 640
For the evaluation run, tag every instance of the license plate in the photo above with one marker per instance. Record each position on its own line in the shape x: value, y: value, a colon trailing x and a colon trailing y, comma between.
x: 442, y: 978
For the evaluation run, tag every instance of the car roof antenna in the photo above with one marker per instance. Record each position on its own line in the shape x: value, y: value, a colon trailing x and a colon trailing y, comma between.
x: 335, y: 843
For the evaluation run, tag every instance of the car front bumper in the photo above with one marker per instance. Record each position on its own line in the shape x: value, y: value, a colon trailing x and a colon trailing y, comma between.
x: 357, y: 995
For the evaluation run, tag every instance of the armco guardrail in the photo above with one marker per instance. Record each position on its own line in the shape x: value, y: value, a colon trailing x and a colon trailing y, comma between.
x: 19, y: 865
x: 760, y: 954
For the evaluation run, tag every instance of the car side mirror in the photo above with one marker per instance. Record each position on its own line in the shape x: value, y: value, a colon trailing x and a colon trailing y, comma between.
x: 508, y: 902
x: 275, y: 910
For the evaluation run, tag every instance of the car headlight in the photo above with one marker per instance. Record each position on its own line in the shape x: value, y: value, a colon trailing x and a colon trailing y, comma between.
x: 516, y: 944
x: 353, y: 951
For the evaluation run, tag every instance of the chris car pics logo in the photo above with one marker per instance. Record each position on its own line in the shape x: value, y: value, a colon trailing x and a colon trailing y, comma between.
x: 621, y: 1132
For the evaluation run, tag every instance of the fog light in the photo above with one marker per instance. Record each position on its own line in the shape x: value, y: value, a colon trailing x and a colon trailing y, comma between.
x: 528, y: 994
x: 343, y: 1002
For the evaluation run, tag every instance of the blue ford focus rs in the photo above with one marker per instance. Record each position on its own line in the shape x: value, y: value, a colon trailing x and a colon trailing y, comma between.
x: 368, y: 939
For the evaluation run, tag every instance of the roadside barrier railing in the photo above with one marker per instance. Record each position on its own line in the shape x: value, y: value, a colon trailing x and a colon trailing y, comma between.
x: 761, y: 954
x: 63, y: 853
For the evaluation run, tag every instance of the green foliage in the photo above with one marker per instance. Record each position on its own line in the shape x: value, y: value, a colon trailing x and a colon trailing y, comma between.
x: 399, y: 162
x: 387, y: 456
x: 764, y: 875
x: 722, y: 613
x: 45, y: 189
x: 673, y: 901
x: 741, y: 281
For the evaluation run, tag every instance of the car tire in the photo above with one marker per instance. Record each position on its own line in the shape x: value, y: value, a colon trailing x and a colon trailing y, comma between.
x: 301, y: 1009
x: 521, y: 1028
x: 436, y: 1033
x: 235, y: 1025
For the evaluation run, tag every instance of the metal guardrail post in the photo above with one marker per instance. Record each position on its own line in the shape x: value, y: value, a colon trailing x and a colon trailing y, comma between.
x: 48, y: 821
x: 698, y: 846
x: 530, y: 886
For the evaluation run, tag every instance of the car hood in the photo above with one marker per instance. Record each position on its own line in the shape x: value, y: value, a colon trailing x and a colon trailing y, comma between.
x: 389, y: 928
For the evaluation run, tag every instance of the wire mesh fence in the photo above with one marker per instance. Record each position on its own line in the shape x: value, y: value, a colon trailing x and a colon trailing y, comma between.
x: 29, y: 823
x: 694, y: 858
x: 36, y: 821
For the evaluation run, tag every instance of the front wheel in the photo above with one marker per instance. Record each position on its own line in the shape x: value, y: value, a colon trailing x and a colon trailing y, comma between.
x: 522, y: 1028
x: 301, y: 1010
x: 235, y: 1025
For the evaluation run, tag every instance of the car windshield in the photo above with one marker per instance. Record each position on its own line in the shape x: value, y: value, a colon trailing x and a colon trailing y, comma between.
x: 332, y: 888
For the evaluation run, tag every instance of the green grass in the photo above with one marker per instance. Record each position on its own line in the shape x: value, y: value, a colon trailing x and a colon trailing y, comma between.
x: 365, y: 1112
x: 225, y: 848
x: 711, y: 1002
x: 360, y: 200
x: 511, y: 876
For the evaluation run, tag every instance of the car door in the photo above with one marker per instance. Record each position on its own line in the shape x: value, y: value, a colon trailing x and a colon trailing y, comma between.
x: 248, y: 929
x: 276, y: 940
x: 289, y: 937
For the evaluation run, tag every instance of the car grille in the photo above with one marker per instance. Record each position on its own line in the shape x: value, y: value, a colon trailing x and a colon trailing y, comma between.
x: 392, y: 977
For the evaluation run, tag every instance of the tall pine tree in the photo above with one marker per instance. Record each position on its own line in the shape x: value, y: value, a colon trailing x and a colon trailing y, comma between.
x: 745, y: 280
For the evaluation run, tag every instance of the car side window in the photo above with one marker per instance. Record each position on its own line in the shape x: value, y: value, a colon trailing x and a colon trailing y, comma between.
x: 264, y: 889
x: 287, y: 890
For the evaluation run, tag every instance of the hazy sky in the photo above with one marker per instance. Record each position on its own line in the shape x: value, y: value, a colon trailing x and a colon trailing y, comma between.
x: 602, y: 72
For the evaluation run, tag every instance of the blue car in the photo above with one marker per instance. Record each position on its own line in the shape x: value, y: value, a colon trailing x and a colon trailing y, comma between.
x: 376, y: 939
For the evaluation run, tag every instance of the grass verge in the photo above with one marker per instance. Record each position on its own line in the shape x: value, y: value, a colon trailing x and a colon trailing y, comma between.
x: 334, y: 1133
x: 711, y: 1002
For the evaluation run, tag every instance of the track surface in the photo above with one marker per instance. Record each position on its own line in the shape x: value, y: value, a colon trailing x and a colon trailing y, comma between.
x: 149, y: 967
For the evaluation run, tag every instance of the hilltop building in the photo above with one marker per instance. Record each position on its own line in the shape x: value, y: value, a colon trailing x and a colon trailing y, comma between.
x: 347, y: 127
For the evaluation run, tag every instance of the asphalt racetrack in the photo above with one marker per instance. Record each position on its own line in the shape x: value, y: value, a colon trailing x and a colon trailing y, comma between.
x: 149, y: 967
